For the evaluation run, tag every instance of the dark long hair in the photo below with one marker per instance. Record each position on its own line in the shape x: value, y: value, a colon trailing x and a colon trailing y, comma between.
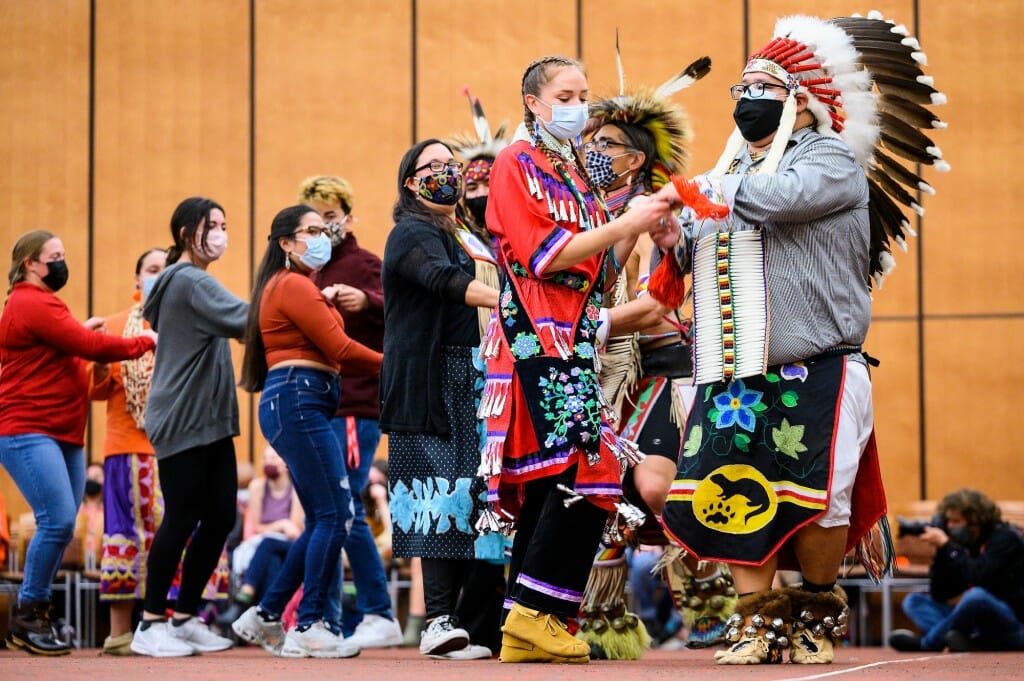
x: 407, y: 205
x: 975, y: 507
x: 189, y: 214
x: 641, y: 139
x: 254, y: 362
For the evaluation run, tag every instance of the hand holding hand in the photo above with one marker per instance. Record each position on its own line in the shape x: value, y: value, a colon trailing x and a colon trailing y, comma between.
x: 350, y: 298
x: 149, y: 333
x: 666, y: 234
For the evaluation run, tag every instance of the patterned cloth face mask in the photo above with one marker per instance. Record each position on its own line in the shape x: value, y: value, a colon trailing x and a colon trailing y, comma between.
x: 443, y: 188
x: 599, y: 167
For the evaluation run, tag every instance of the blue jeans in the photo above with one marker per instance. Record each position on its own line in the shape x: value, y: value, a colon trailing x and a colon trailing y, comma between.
x: 363, y: 558
x: 51, y: 477
x: 977, y: 614
x: 295, y: 416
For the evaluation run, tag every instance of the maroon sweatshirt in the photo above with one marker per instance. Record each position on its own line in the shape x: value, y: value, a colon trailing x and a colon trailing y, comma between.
x: 359, y: 268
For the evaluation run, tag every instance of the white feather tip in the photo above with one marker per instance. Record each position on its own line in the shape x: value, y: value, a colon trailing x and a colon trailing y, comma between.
x: 917, y: 208
x: 926, y: 188
x: 887, y: 262
x: 876, y: 15
x: 912, y: 43
x: 938, y: 98
x: 926, y: 80
x: 920, y: 57
x: 934, y: 152
x: 939, y: 125
x: 900, y: 29
x: 941, y: 166
x: 901, y: 242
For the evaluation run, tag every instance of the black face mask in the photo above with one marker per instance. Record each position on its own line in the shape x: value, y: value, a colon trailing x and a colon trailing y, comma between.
x: 56, y: 275
x: 478, y: 209
x: 757, y: 118
x: 960, y: 535
x: 92, y: 488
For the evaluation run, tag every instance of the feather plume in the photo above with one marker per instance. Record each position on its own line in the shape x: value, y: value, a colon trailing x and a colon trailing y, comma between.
x: 911, y: 112
x: 897, y: 171
x: 687, y: 77
x: 893, y: 189
x: 482, y: 142
x: 913, y: 90
x: 618, y: 66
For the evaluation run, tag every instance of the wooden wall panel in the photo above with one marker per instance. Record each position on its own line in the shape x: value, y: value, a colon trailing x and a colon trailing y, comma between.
x: 335, y: 101
x: 487, y: 46
x: 171, y: 121
x: 657, y: 40
x: 896, y: 392
x: 973, y: 406
x: 974, y: 225
x: 44, y: 143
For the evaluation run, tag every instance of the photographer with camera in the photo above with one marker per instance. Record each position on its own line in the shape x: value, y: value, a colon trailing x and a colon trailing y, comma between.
x: 976, y: 599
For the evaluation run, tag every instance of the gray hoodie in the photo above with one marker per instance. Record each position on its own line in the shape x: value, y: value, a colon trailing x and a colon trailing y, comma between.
x: 192, y: 401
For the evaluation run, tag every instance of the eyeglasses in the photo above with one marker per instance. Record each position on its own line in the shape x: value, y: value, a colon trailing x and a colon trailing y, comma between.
x: 438, y: 166
x: 603, y: 144
x: 312, y: 231
x: 755, y: 89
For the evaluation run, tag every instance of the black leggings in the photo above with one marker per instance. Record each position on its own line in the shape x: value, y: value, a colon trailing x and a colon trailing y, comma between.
x: 199, y: 487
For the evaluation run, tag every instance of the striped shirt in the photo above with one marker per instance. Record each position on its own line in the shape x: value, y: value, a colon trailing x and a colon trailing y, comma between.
x: 814, y: 213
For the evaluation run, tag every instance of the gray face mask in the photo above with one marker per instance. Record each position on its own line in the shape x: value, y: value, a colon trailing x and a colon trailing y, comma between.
x: 960, y: 535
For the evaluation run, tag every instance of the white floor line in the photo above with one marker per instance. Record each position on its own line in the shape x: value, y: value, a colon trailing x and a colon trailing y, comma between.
x: 861, y: 667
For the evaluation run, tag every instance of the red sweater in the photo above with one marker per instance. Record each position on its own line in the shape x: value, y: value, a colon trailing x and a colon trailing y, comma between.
x: 297, y: 322
x: 44, y: 387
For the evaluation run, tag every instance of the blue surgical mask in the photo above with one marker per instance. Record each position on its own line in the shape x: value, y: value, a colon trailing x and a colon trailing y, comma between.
x: 147, y: 285
x: 567, y: 120
x: 318, y: 252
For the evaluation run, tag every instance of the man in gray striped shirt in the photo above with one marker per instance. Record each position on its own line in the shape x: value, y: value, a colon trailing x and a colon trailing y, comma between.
x: 784, y: 409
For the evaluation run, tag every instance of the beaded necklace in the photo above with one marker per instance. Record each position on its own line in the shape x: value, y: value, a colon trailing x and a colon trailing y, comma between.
x: 558, y: 154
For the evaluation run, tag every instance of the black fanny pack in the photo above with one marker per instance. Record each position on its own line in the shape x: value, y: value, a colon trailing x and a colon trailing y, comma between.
x: 670, y: 361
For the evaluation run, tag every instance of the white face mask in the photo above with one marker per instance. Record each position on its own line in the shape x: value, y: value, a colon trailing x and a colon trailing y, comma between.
x: 567, y: 120
x: 216, y: 244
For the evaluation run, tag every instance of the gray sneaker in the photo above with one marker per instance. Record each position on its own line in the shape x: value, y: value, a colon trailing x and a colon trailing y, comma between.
x: 254, y: 629
x: 317, y: 641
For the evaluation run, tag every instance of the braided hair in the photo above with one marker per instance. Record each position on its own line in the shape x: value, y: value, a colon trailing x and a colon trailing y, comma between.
x: 538, y: 73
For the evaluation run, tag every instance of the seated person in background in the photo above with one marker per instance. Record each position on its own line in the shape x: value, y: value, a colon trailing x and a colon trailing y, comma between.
x: 89, y: 522
x: 976, y: 598
x: 378, y: 515
x: 273, y: 520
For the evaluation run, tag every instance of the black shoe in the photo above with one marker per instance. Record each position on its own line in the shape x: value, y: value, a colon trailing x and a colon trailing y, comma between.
x: 957, y: 641
x: 905, y: 641
x: 30, y: 629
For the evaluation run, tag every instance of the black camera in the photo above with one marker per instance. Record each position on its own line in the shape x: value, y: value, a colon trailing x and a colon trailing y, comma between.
x: 915, y: 528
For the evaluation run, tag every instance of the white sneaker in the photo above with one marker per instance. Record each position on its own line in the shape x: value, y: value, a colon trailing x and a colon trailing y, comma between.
x: 195, y: 633
x: 254, y: 629
x: 316, y: 641
x: 470, y: 652
x: 157, y: 641
x: 376, y: 631
x: 442, y: 636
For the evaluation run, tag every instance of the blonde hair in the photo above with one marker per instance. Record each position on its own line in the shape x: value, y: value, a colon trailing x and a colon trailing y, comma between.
x: 327, y: 188
x: 539, y: 73
x: 27, y: 247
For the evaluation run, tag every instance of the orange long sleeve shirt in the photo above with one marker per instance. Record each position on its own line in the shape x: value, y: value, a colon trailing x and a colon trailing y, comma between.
x: 297, y: 322
x: 122, y: 436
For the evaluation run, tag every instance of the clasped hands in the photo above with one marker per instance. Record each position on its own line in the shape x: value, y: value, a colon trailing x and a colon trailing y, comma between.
x: 348, y: 298
x: 656, y: 216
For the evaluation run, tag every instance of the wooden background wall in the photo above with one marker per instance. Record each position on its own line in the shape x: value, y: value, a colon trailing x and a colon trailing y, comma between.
x: 111, y: 111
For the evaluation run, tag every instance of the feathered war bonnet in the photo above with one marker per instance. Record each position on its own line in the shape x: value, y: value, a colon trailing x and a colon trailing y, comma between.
x: 653, y: 110
x: 481, y: 147
x: 864, y: 84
